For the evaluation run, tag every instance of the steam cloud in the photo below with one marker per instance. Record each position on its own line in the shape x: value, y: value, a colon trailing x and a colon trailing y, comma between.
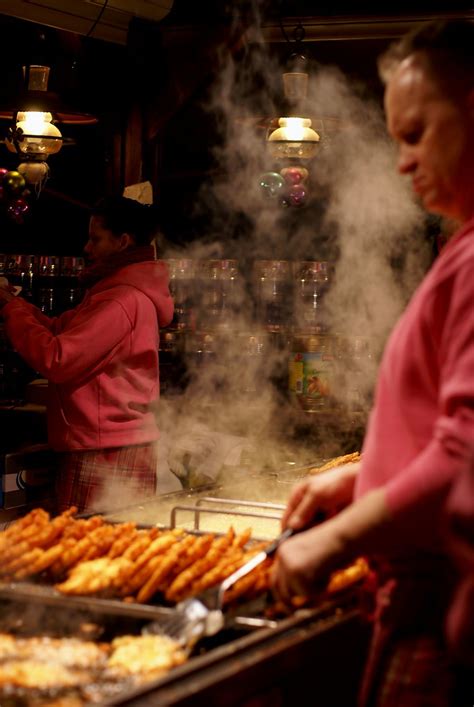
x: 360, y: 216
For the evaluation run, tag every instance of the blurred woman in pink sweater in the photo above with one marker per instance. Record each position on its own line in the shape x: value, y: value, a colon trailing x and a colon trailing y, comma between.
x: 420, y: 437
x: 101, y: 361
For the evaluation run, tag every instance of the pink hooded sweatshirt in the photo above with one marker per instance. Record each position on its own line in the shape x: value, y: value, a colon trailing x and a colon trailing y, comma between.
x: 101, y: 358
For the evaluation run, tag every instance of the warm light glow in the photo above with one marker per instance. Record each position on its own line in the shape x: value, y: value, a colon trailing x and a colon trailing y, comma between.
x: 293, y: 128
x: 294, y: 138
x: 41, y: 137
x: 33, y: 121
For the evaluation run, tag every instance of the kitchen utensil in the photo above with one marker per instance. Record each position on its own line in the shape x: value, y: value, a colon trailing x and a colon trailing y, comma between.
x: 202, y: 615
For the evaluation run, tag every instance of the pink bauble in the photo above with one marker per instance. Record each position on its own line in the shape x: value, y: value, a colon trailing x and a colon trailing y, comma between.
x: 294, y: 175
x: 297, y: 195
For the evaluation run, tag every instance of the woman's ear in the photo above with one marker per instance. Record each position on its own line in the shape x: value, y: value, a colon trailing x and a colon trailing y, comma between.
x: 126, y: 241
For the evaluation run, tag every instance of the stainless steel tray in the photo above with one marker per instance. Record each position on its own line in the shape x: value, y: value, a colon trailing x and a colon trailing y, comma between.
x: 46, y: 595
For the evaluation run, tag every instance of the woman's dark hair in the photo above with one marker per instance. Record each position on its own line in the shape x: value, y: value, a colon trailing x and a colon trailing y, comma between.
x: 122, y: 215
x: 447, y: 47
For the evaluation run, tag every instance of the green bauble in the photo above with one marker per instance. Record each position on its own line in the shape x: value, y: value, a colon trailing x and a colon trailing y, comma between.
x: 13, y: 183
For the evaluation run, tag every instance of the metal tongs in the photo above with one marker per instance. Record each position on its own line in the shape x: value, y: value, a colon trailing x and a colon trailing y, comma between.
x: 203, y: 614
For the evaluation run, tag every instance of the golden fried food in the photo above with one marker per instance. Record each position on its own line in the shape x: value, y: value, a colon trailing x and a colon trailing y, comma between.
x: 182, y: 583
x: 164, y: 567
x: 146, y: 564
x: 337, y: 461
x: 68, y: 652
x: 38, y: 674
x: 79, y: 528
x: 94, y: 557
x: 342, y: 579
x: 132, y: 655
x: 243, y: 538
x: 189, y: 559
x: 94, y: 576
x: 127, y: 532
x: 246, y: 586
x: 232, y: 559
x: 36, y: 669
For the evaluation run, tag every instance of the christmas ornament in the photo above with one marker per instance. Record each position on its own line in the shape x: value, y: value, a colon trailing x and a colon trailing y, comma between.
x: 294, y: 175
x: 271, y: 184
x: 297, y: 195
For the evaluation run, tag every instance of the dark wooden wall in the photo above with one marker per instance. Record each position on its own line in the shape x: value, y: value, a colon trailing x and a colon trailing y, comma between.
x: 150, y: 98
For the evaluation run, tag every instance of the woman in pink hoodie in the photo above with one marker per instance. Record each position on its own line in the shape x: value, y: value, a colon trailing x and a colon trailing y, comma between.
x: 420, y: 437
x: 101, y: 361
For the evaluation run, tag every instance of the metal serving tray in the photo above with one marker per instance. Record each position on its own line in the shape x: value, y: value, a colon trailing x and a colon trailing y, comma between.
x: 43, y: 594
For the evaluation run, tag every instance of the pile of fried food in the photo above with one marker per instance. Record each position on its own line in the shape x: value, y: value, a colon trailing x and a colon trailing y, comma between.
x: 82, y: 668
x: 93, y: 557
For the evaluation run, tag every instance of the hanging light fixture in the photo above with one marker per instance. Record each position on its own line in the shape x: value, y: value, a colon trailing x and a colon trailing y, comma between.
x: 294, y: 137
x: 33, y: 134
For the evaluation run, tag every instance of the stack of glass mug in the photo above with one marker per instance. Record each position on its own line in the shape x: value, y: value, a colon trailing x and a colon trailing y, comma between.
x: 51, y: 283
x: 48, y: 281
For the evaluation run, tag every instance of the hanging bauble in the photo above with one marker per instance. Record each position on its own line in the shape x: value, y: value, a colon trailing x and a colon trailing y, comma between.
x: 14, y: 183
x: 3, y: 172
x: 15, y: 214
x: 297, y: 195
x: 34, y: 172
x: 20, y: 206
x: 271, y: 184
x: 294, y: 174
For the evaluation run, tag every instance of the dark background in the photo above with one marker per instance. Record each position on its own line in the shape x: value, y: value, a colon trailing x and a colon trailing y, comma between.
x: 159, y: 83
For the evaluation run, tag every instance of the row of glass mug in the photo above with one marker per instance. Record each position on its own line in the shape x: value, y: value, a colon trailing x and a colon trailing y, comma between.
x: 50, y: 265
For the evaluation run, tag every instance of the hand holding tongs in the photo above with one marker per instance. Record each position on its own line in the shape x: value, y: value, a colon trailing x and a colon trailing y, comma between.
x: 202, y: 615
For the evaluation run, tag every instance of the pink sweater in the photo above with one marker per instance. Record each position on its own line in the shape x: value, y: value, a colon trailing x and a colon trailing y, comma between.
x: 421, y: 430
x: 101, y: 358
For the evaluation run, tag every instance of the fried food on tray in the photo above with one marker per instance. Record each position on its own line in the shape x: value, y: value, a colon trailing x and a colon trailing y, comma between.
x: 48, y: 663
x: 37, y: 669
x: 337, y: 461
x: 132, y: 655
x: 147, y: 562
x: 37, y: 674
x: 93, y: 557
x: 96, y: 576
x: 163, y: 567
x: 189, y: 555
x: 68, y: 652
x: 184, y: 581
x: 342, y: 579
x: 251, y: 585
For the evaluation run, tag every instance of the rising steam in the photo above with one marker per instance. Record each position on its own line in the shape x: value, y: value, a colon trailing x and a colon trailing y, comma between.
x: 360, y: 216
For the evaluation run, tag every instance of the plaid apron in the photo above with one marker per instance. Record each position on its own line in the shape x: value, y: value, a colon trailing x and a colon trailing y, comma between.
x: 407, y: 664
x: 104, y: 479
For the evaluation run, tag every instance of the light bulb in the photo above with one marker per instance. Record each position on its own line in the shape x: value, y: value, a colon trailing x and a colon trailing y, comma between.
x: 40, y: 137
x: 294, y: 138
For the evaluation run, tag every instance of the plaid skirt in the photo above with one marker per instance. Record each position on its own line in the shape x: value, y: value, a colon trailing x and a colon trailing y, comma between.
x: 106, y: 479
x: 408, y: 664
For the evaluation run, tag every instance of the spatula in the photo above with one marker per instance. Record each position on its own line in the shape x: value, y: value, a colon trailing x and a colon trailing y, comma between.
x: 202, y: 615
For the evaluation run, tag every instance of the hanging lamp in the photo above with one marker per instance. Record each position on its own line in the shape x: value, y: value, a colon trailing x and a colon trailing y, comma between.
x: 33, y: 114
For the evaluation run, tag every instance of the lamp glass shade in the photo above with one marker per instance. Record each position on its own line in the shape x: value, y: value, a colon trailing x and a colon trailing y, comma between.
x: 38, y: 137
x: 293, y: 138
x: 37, y: 77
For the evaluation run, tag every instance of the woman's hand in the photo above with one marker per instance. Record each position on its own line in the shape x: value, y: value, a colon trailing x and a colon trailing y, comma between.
x: 363, y: 528
x: 304, y: 559
x: 324, y: 495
